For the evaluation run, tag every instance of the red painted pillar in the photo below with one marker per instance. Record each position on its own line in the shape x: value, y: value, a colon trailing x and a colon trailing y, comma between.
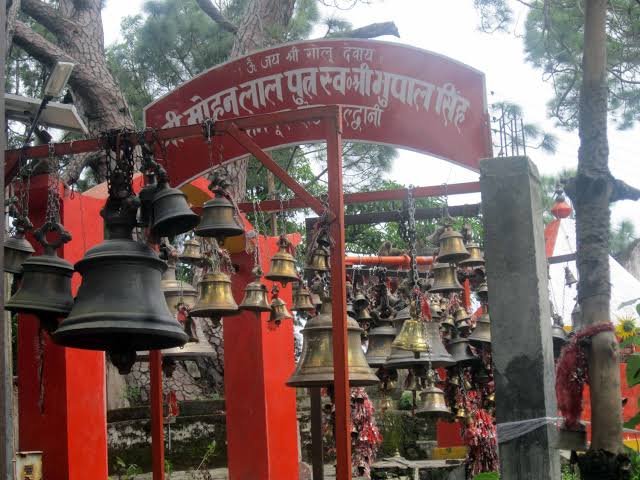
x: 262, y: 438
x: 157, y: 418
x: 62, y: 401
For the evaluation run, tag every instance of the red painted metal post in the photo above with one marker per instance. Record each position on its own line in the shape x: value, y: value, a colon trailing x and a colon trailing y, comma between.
x: 157, y: 417
x: 466, y: 295
x: 338, y: 293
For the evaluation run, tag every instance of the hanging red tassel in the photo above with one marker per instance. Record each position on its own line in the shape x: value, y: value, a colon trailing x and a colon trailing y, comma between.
x: 572, y: 374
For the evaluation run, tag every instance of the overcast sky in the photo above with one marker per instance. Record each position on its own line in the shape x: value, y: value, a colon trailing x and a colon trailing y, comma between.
x: 450, y: 28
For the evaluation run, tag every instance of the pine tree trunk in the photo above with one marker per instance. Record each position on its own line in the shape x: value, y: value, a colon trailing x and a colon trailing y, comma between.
x: 591, y: 193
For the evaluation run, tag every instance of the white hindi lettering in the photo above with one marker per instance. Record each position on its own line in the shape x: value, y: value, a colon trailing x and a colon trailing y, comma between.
x: 292, y: 55
x: 317, y: 53
x: 270, y: 60
x: 251, y: 67
x: 358, y: 54
x: 302, y: 84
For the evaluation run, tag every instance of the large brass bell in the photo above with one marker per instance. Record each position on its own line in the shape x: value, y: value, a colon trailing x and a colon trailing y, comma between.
x: 319, y: 260
x: 215, y: 298
x: 45, y: 290
x: 451, y: 247
x: 171, y: 213
x: 437, y: 353
x: 412, y: 335
x: 17, y: 250
x: 219, y: 219
x: 476, y: 258
x: 482, y: 333
x: 191, y: 254
x: 315, y: 368
x: 279, y: 311
x: 379, y: 348
x: 120, y: 307
x: 302, y: 300
x: 445, y: 279
x: 460, y: 350
x: 177, y: 292
x: 432, y: 402
x: 255, y: 297
x: 283, y: 265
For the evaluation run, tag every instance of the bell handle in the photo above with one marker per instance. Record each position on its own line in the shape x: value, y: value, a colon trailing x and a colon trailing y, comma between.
x: 52, y: 227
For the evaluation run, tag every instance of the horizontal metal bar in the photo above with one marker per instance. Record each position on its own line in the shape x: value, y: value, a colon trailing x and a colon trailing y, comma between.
x: 569, y: 257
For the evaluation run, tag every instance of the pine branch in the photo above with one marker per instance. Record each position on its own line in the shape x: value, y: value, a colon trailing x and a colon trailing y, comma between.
x: 623, y: 191
x: 371, y: 31
x: 48, y: 17
x: 212, y: 11
x: 37, y: 46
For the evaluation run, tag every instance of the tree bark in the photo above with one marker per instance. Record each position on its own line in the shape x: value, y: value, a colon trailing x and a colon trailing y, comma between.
x: 591, y: 197
x: 77, y: 26
x: 13, y: 7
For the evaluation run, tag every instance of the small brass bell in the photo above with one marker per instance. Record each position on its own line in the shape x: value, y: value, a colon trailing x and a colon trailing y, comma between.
x: 360, y: 301
x: 350, y: 310
x: 461, y: 413
x: 379, y: 348
x: 315, y: 368
x: 445, y: 279
x: 432, y: 401
x: 569, y: 277
x: 412, y: 336
x: 219, y: 219
x: 45, y: 290
x: 386, y: 403
x: 482, y: 333
x: 279, y: 311
x: 435, y: 309
x: 558, y: 335
x: 476, y: 258
x: 461, y: 352
x: 255, y: 297
x: 215, y: 299
x: 302, y: 300
x: 364, y: 315
x: 451, y: 246
x: 191, y: 254
x: 401, y: 316
x: 483, y: 292
x: 448, y: 322
x: 17, y: 250
x: 171, y: 213
x: 319, y: 261
x: 315, y: 300
x: 177, y: 292
x: 437, y: 354
x: 283, y: 265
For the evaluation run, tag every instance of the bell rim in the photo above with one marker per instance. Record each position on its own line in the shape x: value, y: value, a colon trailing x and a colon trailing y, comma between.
x: 181, y: 224
x: 254, y: 308
x: 32, y: 307
x: 209, y: 312
x: 19, y: 244
x: 321, y: 379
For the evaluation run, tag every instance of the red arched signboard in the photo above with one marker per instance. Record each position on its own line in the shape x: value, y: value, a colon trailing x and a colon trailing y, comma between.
x: 391, y: 94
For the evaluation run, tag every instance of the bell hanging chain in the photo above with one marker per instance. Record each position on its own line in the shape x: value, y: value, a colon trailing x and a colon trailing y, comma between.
x: 53, y: 200
x: 411, y: 234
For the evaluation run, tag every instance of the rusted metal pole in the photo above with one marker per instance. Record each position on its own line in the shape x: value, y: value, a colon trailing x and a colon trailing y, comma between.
x: 338, y: 293
x: 397, y: 260
x: 157, y: 417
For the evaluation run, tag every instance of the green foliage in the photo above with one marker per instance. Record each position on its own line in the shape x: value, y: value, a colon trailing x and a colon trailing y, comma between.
x: 634, y: 457
x: 488, y: 476
x: 568, y: 473
x: 633, y: 369
x: 553, y: 43
x: 622, y: 236
x: 406, y: 401
x: 126, y: 471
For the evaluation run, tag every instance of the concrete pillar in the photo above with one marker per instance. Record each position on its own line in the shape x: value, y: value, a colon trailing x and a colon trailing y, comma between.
x: 520, y: 314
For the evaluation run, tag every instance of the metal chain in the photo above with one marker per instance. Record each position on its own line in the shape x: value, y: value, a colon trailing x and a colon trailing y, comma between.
x: 412, y: 234
x: 53, y: 200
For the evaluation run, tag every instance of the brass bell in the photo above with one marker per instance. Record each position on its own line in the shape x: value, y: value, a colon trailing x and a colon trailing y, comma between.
x: 360, y: 301
x: 279, y: 311
x: 569, y: 277
x: 445, y: 279
x: 558, y: 335
x: 219, y: 219
x: 315, y: 368
x: 191, y: 254
x: 120, y: 307
x: 255, y: 297
x: 461, y: 352
x: 315, y: 300
x: 435, y: 309
x: 215, y: 298
x: 193, y: 350
x: 461, y: 413
x: 482, y: 333
x: 412, y: 336
x: 437, y: 354
x: 302, y: 300
x: 448, y: 322
x: 386, y: 403
x: 476, y: 258
x: 17, y: 250
x: 364, y: 315
x: 379, y: 348
x: 177, y: 292
x: 432, y: 401
x: 283, y: 265
x: 350, y: 310
x: 319, y: 261
x: 451, y: 247
x: 45, y: 290
x: 171, y: 213
x: 401, y: 316
x: 483, y: 292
